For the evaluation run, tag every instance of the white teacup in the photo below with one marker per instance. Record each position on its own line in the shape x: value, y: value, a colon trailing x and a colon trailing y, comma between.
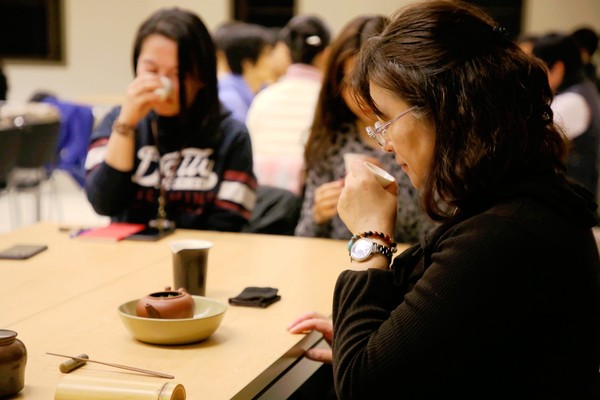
x: 349, y: 159
x: 165, y: 90
x: 383, y: 177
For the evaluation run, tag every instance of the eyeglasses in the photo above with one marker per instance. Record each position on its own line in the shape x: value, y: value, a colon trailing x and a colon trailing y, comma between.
x: 378, y: 132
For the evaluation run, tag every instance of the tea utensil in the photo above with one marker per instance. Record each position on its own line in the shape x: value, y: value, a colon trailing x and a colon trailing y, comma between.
x: 143, y: 371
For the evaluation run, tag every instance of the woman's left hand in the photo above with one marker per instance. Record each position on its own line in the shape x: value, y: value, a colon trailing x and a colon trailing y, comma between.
x: 313, y: 321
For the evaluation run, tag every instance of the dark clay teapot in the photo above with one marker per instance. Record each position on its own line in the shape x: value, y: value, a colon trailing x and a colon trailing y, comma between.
x: 168, y: 304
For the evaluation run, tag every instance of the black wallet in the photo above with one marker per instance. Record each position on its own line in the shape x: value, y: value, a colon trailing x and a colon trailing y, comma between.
x: 256, y: 297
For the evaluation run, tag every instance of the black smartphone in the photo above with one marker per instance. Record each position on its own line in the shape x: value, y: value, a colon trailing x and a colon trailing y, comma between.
x: 22, y: 251
x: 150, y: 234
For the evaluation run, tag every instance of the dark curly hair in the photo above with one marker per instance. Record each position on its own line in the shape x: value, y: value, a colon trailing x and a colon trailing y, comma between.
x: 488, y: 102
x: 331, y: 112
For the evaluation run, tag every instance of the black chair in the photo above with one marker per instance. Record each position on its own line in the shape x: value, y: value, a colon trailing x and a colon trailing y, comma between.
x: 10, y: 139
x: 276, y: 212
x: 36, y: 161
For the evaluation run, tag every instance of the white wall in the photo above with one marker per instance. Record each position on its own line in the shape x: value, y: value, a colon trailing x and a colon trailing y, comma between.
x: 541, y: 16
x: 99, y: 36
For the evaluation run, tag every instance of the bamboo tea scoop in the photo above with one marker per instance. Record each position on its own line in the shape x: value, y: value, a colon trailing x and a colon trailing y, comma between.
x: 143, y: 371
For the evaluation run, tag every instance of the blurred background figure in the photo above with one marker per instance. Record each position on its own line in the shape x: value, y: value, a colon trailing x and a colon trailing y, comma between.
x: 587, y: 39
x: 219, y: 36
x: 279, y: 118
x: 526, y: 42
x: 247, y: 48
x: 576, y: 105
x: 338, y: 129
x: 3, y: 83
x: 280, y: 58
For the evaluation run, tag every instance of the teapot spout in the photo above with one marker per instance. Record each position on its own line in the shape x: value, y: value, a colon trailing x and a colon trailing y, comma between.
x: 152, y: 312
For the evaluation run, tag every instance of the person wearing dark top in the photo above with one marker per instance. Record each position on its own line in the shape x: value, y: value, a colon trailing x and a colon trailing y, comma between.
x: 170, y: 154
x: 587, y: 39
x: 576, y: 105
x: 502, y: 301
x: 246, y: 48
x: 3, y: 83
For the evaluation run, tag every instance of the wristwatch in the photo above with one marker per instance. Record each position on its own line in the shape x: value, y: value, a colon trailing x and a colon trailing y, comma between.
x: 364, y: 248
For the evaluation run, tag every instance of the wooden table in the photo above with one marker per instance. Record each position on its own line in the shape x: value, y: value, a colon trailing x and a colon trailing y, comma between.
x: 65, y: 300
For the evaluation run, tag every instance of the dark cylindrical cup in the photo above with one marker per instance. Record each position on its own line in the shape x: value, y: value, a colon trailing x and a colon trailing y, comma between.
x: 190, y: 259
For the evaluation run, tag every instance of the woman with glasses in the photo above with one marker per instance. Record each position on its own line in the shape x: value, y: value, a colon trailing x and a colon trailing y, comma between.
x: 338, y: 128
x: 502, y: 301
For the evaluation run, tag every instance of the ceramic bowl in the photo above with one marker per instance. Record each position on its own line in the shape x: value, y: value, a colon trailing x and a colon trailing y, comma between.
x: 206, y: 320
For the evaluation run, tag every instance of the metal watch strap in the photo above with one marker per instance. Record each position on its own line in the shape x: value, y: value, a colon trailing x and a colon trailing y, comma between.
x: 383, y: 250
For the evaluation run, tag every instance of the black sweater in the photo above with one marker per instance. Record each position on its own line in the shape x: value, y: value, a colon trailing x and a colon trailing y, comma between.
x: 503, y: 302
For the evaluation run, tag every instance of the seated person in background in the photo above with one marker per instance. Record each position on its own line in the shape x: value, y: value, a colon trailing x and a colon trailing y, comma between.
x: 3, y: 83
x: 338, y: 128
x: 587, y: 39
x: 526, y: 42
x: 576, y: 105
x: 220, y: 33
x: 280, y: 58
x: 247, y: 49
x: 502, y: 301
x: 279, y: 118
x: 172, y: 154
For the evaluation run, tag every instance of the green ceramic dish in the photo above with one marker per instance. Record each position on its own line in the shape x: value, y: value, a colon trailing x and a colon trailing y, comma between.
x: 206, y: 320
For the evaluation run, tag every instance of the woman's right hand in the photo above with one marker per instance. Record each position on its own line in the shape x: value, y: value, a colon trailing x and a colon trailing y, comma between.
x: 139, y: 99
x: 326, y: 200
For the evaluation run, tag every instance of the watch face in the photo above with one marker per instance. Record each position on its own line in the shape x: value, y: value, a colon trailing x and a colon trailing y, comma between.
x: 361, y: 249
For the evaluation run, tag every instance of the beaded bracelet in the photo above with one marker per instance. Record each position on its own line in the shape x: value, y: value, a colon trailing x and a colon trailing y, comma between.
x: 380, y: 235
x: 123, y: 129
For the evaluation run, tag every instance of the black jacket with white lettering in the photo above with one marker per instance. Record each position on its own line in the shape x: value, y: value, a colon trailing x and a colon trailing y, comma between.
x: 209, y: 187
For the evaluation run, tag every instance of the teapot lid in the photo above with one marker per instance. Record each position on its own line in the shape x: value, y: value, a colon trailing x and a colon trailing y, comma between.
x: 7, y: 336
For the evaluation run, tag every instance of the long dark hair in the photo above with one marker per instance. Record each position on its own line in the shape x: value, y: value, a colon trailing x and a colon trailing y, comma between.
x: 196, y: 58
x: 488, y: 102
x: 306, y: 36
x: 331, y: 111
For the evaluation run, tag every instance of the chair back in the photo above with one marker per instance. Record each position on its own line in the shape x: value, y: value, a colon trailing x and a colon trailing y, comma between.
x: 276, y: 211
x: 77, y: 123
x: 10, y: 139
x: 38, y: 145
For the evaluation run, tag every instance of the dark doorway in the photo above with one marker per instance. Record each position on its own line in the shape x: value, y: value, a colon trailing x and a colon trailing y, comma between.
x: 270, y: 13
x: 507, y: 13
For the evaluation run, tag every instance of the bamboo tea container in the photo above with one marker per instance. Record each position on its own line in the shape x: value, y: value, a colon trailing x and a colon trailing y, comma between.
x: 77, y: 387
